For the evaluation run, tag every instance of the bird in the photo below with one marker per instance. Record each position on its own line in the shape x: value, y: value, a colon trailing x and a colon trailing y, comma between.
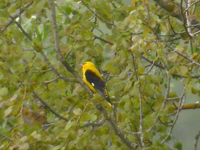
x: 93, y: 79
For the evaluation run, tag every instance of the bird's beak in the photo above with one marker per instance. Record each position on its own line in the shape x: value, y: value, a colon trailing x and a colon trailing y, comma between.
x: 80, y: 65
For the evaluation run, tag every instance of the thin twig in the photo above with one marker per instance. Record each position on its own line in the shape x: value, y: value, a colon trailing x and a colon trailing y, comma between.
x: 164, y: 102
x: 196, y: 140
x: 101, y: 39
x: 16, y: 16
x: 140, y: 101
x: 54, y: 70
x: 94, y: 124
x: 5, y: 137
x: 23, y: 31
x: 45, y: 58
x: 97, y: 15
x: 175, y: 12
x: 189, y: 6
x: 49, y: 107
x: 181, y: 103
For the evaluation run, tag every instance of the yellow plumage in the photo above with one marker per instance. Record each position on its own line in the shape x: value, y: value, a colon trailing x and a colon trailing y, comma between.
x: 93, y: 79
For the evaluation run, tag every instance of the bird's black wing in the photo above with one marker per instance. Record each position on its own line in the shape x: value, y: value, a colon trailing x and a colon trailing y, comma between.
x: 97, y: 83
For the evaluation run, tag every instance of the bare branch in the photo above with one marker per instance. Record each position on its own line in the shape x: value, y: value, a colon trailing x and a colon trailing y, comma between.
x: 188, y: 2
x: 140, y: 101
x: 181, y: 103
x: 196, y: 140
x: 188, y: 106
x: 94, y: 124
x: 185, y: 56
x: 185, y: 20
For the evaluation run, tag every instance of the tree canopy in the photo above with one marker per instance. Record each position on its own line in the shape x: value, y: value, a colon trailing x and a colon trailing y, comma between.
x: 141, y: 47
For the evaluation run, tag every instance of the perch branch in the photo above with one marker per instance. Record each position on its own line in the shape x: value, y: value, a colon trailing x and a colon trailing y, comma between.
x: 57, y: 48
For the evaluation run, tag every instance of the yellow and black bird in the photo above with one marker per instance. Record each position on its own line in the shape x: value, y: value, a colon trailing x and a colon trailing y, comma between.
x: 93, y: 79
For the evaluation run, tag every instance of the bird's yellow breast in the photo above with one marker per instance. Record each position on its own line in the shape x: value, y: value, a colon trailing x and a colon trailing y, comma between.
x: 90, y: 66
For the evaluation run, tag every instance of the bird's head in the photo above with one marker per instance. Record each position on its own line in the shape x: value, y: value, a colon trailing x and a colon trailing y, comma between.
x: 87, y: 65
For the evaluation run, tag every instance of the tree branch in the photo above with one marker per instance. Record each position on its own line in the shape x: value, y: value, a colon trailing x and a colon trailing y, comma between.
x: 57, y: 48
x: 175, y: 11
x: 196, y: 140
x: 15, y: 16
x: 114, y: 126
x: 181, y: 103
x: 94, y: 124
x: 187, y: 106
x: 49, y: 107
x: 97, y: 15
x: 54, y: 70
x: 44, y: 56
x: 140, y: 101
x: 101, y: 39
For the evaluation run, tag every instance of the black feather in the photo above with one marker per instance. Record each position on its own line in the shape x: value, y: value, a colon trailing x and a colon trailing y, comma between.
x: 98, y: 83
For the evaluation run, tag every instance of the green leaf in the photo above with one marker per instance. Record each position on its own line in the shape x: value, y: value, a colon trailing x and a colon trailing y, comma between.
x: 183, y: 70
x: 37, y: 47
x: 1, y: 75
x: 8, y: 111
x: 83, y: 141
x: 152, y: 23
x: 156, y: 79
x: 141, y: 70
x: 24, y: 146
x: 178, y: 145
x: 67, y: 10
x: 172, y: 57
x: 72, y: 135
x: 3, y: 91
x: 36, y: 136
x: 75, y: 19
x: 194, y: 90
x: 77, y: 111
x: 88, y: 117
x: 68, y: 125
x: 87, y: 24
x: 23, y: 139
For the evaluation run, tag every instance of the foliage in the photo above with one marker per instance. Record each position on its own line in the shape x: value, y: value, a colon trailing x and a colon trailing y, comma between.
x: 140, y: 49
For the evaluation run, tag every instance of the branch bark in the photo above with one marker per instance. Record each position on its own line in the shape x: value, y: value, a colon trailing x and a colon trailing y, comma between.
x: 112, y: 122
x: 115, y: 127
x: 15, y: 16
x: 188, y: 106
x: 57, y: 48
x: 49, y: 107
x: 174, y: 10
